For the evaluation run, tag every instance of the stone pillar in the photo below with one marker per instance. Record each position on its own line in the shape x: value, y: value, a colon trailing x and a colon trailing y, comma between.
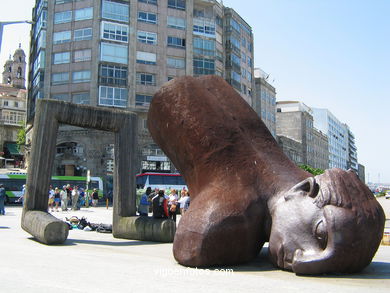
x: 35, y: 219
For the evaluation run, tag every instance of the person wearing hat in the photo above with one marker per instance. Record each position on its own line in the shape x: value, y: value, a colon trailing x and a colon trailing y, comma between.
x: 2, y: 199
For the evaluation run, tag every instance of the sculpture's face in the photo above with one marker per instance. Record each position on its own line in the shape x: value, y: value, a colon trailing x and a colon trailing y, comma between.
x: 307, y: 239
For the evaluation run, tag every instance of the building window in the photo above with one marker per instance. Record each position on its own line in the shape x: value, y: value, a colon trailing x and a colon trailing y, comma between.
x: 83, y: 34
x: 115, y: 32
x: 204, y: 27
x: 81, y: 76
x: 113, y: 75
x: 62, y: 37
x: 154, y: 2
x: 176, y: 22
x: 39, y: 62
x: 115, y: 11
x: 60, y: 78
x: 204, y: 47
x: 61, y: 58
x: 146, y: 78
x: 176, y: 62
x: 63, y: 17
x: 12, y: 117
x: 114, y: 53
x: 249, y: 75
x: 146, y: 58
x: 61, y: 97
x: 177, y: 4
x: 82, y: 55
x: 204, y: 66
x: 147, y: 37
x: 81, y: 98
x: 235, y: 25
x: 176, y: 42
x: 41, y: 43
x: 112, y: 96
x: 249, y: 61
x: 143, y: 100
x: 83, y: 14
x: 147, y: 17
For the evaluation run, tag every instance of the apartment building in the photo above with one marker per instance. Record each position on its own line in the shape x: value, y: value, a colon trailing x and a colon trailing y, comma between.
x: 117, y: 53
x: 341, y: 139
x: 265, y: 100
x: 294, y: 121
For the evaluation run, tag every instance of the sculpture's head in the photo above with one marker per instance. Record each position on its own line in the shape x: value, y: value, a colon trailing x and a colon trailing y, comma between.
x: 326, y: 224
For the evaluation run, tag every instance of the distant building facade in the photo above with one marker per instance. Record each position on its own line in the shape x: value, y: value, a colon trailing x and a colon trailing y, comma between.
x: 338, y: 136
x: 117, y: 53
x: 352, y: 162
x: 295, y: 121
x: 265, y: 100
x: 12, y: 108
x: 291, y: 148
x: 362, y: 173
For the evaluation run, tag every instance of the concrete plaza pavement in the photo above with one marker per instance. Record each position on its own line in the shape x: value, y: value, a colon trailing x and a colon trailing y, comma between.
x: 97, y: 262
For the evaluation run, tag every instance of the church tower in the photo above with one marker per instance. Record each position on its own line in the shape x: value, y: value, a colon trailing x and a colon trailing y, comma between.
x: 15, y: 70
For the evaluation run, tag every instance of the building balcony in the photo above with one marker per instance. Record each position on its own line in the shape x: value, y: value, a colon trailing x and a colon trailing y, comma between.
x: 207, y: 2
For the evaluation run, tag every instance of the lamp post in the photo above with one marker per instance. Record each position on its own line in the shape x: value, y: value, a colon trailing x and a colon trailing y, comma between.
x: 3, y: 23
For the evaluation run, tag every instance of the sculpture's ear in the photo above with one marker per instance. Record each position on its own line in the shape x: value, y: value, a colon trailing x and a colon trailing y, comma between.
x: 307, y: 187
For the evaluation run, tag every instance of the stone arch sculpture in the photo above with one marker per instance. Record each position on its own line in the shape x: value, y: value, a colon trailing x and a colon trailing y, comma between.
x: 48, y: 229
x: 245, y: 191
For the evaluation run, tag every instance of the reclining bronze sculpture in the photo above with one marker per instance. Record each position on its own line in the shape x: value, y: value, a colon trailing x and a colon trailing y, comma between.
x: 245, y: 191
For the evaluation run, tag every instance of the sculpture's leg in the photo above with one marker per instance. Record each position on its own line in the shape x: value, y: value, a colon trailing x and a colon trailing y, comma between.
x: 219, y: 233
x: 35, y: 219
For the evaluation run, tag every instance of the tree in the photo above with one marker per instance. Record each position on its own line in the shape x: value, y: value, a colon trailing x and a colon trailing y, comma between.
x: 314, y: 171
x: 21, y: 136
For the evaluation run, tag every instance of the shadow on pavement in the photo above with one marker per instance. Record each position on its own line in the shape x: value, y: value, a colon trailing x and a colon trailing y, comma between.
x: 109, y: 243
x: 376, y: 270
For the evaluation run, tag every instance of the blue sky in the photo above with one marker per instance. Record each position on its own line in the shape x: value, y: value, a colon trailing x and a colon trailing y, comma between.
x: 331, y: 54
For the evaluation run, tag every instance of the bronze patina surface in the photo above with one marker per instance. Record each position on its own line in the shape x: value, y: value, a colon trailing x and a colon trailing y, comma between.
x: 245, y: 191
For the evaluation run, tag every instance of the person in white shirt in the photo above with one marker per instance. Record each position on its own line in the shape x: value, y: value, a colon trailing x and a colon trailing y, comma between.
x: 75, y: 198
x: 172, y: 204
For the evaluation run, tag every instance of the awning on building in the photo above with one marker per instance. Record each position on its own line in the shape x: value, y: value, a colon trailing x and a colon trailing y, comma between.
x: 13, y: 148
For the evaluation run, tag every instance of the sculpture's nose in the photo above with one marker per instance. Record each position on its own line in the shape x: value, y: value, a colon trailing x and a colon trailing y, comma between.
x: 309, y: 263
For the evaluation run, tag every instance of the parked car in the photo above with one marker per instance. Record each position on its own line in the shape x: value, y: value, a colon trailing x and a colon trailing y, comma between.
x: 387, y: 195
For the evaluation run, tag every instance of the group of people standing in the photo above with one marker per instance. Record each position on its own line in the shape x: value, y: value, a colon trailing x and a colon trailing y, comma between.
x: 74, y: 197
x: 163, y: 205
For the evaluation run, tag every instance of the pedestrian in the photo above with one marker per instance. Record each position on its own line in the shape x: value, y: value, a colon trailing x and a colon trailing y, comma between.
x: 64, y: 199
x: 51, y: 199
x: 21, y: 198
x: 81, y: 201
x: 57, y: 198
x: 160, y: 206
x: 69, y: 194
x: 95, y: 197
x: 172, y: 204
x: 75, y: 197
x: 184, y: 201
x: 2, y: 199
x: 144, y: 203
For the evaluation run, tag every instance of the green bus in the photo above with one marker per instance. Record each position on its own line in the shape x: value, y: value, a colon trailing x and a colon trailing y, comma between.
x: 13, y: 184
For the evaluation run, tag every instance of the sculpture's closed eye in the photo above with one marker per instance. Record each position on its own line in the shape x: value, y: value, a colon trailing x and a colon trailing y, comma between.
x: 321, y: 234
